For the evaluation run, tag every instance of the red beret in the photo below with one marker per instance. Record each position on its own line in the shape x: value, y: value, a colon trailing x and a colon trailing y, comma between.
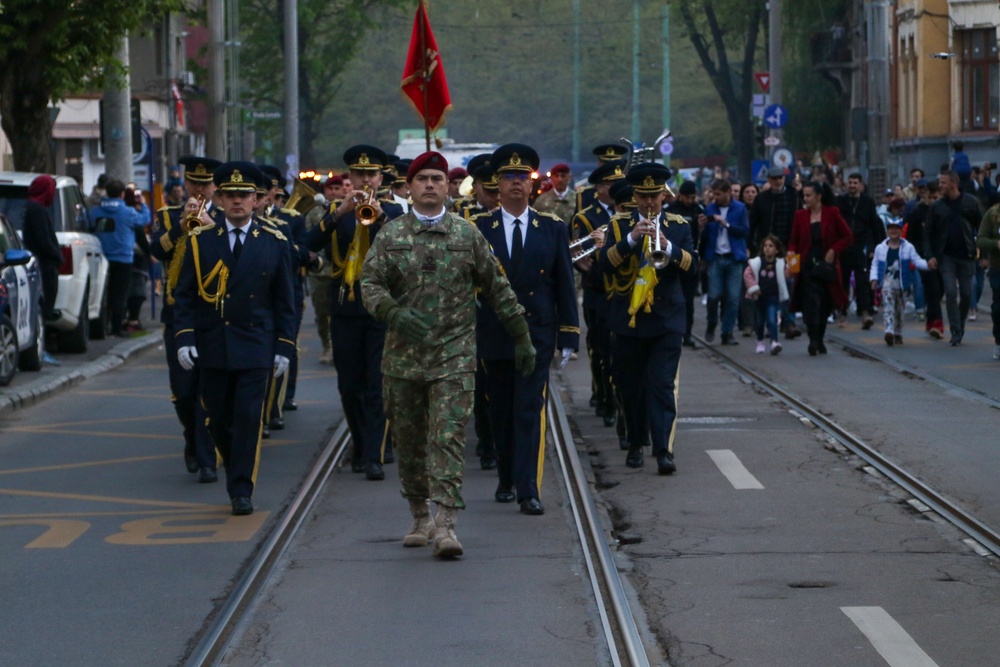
x: 429, y: 160
x: 561, y: 168
x: 457, y: 172
x: 336, y: 179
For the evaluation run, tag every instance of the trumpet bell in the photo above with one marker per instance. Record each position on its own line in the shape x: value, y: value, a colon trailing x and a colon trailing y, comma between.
x: 658, y: 259
x: 465, y: 189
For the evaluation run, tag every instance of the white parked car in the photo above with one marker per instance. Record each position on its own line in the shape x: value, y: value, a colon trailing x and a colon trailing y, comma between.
x: 82, y: 298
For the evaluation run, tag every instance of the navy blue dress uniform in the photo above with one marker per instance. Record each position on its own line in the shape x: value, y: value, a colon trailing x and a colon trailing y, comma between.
x: 541, y: 275
x: 595, y: 302
x: 357, y: 338
x: 648, y: 324
x: 168, y: 245
x: 235, y: 306
x: 586, y: 196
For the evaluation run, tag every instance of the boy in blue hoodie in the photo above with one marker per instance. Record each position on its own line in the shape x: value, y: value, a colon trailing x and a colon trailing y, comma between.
x: 115, y: 224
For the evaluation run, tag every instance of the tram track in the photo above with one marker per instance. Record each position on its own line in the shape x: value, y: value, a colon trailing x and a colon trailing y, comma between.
x: 617, y: 622
x: 983, y: 535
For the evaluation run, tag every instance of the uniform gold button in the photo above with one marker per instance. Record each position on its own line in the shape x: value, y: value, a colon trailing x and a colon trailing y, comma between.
x: 227, y: 324
x: 542, y: 272
x: 228, y: 295
x: 531, y: 294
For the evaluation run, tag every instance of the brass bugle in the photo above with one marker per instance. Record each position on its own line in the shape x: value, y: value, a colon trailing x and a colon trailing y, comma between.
x: 365, y: 212
x: 657, y: 256
x: 576, y: 249
x: 193, y: 220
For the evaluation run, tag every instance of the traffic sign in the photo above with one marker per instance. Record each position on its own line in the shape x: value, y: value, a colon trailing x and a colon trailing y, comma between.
x: 763, y: 79
x: 759, y: 170
x: 772, y: 141
x: 782, y: 158
x: 775, y: 116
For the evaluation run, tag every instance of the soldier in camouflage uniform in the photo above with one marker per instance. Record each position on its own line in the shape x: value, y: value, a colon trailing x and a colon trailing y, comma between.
x: 420, y: 278
x: 560, y: 200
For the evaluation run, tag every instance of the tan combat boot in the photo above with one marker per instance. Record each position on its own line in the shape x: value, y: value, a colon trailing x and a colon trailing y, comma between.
x: 446, y: 545
x: 422, y: 526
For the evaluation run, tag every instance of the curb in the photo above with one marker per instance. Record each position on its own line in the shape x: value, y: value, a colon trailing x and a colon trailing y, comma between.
x: 35, y: 392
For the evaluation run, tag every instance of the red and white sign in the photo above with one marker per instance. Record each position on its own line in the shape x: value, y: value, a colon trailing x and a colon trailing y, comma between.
x: 764, y: 80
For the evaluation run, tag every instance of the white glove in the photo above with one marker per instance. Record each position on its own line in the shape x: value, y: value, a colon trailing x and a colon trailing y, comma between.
x: 280, y: 365
x: 566, y: 354
x: 186, y: 356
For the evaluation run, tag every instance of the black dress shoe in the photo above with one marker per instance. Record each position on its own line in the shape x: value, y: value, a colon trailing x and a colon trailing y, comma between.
x: 242, y: 506
x: 388, y: 458
x: 277, y: 424
x: 610, y: 418
x: 290, y: 405
x: 488, y: 462
x: 593, y: 401
x: 191, y: 463
x: 727, y: 339
x: 504, y: 494
x: 812, y: 349
x: 359, y: 465
x: 622, y: 443
x: 374, y: 472
x: 821, y: 347
x: 634, y: 458
x: 532, y: 506
x: 207, y: 475
x: 665, y: 464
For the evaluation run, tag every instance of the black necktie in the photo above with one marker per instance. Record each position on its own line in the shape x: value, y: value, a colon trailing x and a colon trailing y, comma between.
x: 238, y: 245
x: 515, y: 249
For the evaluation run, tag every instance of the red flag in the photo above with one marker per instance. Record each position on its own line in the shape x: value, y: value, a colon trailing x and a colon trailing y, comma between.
x: 423, y: 79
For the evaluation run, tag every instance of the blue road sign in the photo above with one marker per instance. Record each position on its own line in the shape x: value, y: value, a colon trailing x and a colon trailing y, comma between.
x: 759, y: 170
x: 775, y: 116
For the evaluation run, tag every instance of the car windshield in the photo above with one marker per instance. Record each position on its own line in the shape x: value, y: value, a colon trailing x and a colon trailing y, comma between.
x: 14, y: 198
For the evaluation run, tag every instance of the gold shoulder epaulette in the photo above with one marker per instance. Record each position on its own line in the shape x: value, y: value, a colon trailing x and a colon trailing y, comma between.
x: 673, y: 217
x: 546, y: 214
x: 621, y: 216
x: 292, y: 212
x: 479, y: 215
x: 272, y: 230
x: 167, y: 208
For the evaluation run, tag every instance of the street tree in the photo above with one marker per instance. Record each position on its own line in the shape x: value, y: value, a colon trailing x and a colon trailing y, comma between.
x: 728, y: 50
x: 50, y: 49
x: 330, y: 34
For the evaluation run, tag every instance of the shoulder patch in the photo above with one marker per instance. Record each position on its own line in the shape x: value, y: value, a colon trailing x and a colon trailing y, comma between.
x: 272, y: 230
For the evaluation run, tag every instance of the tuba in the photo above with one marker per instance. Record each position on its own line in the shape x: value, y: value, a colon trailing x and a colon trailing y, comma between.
x: 303, y: 197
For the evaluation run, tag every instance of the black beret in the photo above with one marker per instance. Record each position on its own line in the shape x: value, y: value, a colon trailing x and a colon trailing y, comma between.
x: 688, y: 188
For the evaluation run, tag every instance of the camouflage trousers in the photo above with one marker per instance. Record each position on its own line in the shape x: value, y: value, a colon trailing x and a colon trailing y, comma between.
x: 428, y: 421
x: 320, y: 293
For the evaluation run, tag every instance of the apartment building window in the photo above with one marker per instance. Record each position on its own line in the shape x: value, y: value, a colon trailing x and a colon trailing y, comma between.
x: 980, y: 79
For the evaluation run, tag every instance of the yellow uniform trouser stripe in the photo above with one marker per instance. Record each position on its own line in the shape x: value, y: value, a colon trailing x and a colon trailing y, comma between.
x: 541, y: 441
x: 385, y: 439
x: 673, y: 427
x: 260, y: 434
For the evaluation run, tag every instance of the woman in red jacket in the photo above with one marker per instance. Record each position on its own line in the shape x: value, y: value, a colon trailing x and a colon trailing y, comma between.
x: 819, y: 235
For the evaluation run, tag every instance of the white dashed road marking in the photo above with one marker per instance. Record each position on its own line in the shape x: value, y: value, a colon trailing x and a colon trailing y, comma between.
x: 888, y: 637
x: 733, y: 469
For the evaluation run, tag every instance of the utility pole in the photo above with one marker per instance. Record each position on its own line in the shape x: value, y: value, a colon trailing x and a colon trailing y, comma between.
x: 217, y: 124
x: 292, y: 88
x: 774, y: 60
x: 635, y: 72
x: 876, y: 20
x: 666, y: 66
x: 117, y: 119
x: 576, y: 81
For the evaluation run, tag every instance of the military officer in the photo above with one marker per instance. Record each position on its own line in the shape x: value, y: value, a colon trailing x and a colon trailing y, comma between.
x: 421, y: 278
x: 647, y: 313
x: 169, y: 244
x: 586, y: 195
x: 356, y: 336
x: 595, y: 302
x: 485, y: 196
x: 560, y: 199
x: 235, y: 320
x: 533, y: 249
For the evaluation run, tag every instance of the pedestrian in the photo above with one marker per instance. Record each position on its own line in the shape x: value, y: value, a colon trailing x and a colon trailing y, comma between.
x: 929, y: 292
x: 727, y: 226
x: 767, y: 289
x: 235, y: 318
x: 819, y: 236
x: 421, y: 278
x: 771, y: 213
x: 950, y: 247
x: 892, y: 274
x: 858, y: 210
x: 988, y: 242
x: 116, y: 223
x: 686, y: 205
x: 40, y: 238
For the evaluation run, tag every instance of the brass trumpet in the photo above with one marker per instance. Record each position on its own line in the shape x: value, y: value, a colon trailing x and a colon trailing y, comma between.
x: 193, y: 220
x: 658, y: 257
x: 576, y: 249
x: 365, y: 212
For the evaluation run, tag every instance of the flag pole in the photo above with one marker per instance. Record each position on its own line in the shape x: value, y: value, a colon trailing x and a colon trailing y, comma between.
x: 425, y: 72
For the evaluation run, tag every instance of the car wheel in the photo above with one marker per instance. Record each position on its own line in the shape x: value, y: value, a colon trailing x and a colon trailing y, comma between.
x: 8, y: 350
x: 100, y: 327
x: 77, y: 339
x: 31, y: 359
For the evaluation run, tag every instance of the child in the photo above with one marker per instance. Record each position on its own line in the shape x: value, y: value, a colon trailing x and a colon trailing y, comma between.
x: 891, y: 271
x: 765, y: 281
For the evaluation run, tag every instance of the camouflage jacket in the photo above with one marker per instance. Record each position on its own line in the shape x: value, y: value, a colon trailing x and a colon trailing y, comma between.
x: 564, y: 209
x: 435, y: 270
